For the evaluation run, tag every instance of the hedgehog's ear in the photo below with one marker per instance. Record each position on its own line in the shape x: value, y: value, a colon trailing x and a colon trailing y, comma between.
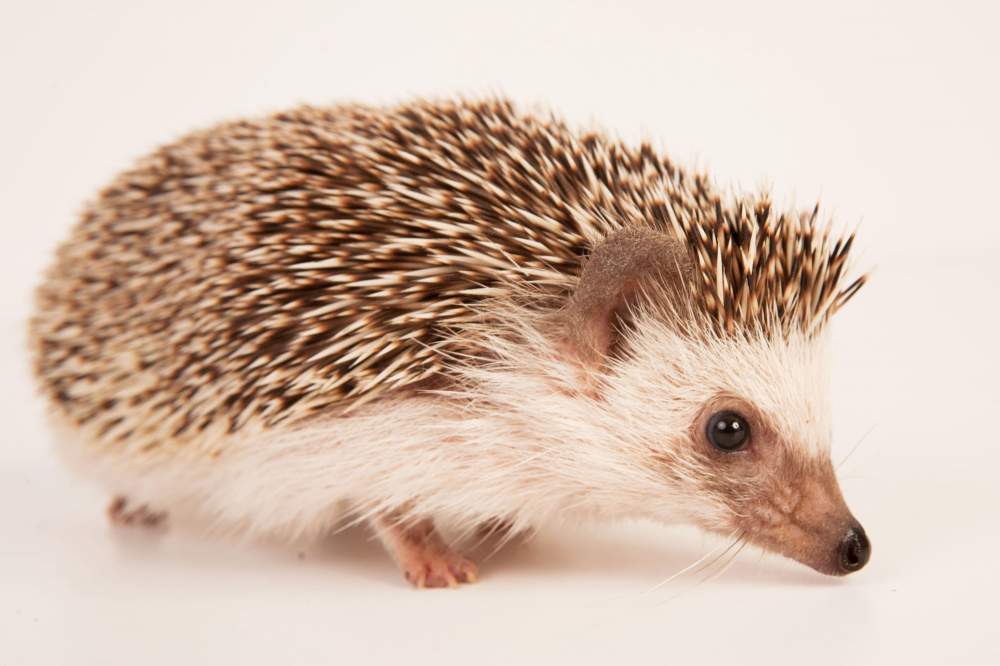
x: 594, y: 318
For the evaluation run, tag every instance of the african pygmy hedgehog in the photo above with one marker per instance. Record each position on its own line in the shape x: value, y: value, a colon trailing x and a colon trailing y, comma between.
x: 446, y: 311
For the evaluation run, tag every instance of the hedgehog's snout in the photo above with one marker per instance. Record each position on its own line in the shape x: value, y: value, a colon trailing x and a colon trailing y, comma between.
x: 854, y: 550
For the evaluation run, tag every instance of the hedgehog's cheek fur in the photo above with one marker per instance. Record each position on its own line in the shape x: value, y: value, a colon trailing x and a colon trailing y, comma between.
x: 781, y: 493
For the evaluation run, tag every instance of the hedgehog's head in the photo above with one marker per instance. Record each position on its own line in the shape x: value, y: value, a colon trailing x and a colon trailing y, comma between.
x: 716, y: 359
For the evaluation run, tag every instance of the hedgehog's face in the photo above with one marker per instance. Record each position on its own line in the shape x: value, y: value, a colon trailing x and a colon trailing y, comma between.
x: 773, y: 488
x: 722, y: 410
x: 741, y: 439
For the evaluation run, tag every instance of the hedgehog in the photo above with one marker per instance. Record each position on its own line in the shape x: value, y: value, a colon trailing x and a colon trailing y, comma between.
x: 439, y: 316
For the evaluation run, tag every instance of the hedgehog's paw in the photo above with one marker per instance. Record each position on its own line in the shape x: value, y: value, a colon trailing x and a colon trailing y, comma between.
x: 121, y: 513
x: 437, y: 569
x: 424, y: 558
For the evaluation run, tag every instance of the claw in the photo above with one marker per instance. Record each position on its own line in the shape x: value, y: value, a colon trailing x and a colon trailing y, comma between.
x: 120, y: 513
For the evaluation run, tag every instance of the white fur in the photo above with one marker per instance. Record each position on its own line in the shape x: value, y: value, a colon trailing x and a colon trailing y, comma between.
x: 515, y: 439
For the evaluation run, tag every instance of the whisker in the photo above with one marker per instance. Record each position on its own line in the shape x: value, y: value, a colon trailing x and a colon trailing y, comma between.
x: 719, y: 558
x: 727, y: 565
x: 694, y: 565
x: 860, y: 442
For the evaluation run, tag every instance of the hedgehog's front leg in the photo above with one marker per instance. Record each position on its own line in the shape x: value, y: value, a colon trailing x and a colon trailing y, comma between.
x: 425, y: 559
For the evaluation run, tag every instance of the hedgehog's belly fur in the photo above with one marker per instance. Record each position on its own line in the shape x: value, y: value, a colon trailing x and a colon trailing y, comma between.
x: 305, y: 480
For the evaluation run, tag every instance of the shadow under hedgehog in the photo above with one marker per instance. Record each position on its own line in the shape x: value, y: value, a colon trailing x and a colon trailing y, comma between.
x: 450, y: 311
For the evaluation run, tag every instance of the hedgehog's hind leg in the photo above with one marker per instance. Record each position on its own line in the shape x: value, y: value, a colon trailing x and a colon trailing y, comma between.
x: 121, y: 512
x: 423, y: 556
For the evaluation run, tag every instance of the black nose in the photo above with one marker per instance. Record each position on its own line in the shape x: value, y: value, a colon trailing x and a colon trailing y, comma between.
x: 854, y: 549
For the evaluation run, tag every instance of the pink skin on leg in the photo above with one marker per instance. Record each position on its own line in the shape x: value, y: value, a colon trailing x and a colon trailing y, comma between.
x: 425, y: 559
x: 120, y: 513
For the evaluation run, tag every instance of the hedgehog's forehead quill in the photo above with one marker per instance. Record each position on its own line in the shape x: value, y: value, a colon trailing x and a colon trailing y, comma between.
x: 763, y: 288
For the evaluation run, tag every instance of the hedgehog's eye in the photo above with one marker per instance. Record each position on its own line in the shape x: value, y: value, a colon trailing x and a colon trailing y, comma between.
x: 728, y: 431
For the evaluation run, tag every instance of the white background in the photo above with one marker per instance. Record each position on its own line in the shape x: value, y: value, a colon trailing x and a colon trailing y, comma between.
x: 887, y: 113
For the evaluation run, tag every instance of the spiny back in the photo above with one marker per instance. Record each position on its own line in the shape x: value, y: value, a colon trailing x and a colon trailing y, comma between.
x: 267, y: 270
